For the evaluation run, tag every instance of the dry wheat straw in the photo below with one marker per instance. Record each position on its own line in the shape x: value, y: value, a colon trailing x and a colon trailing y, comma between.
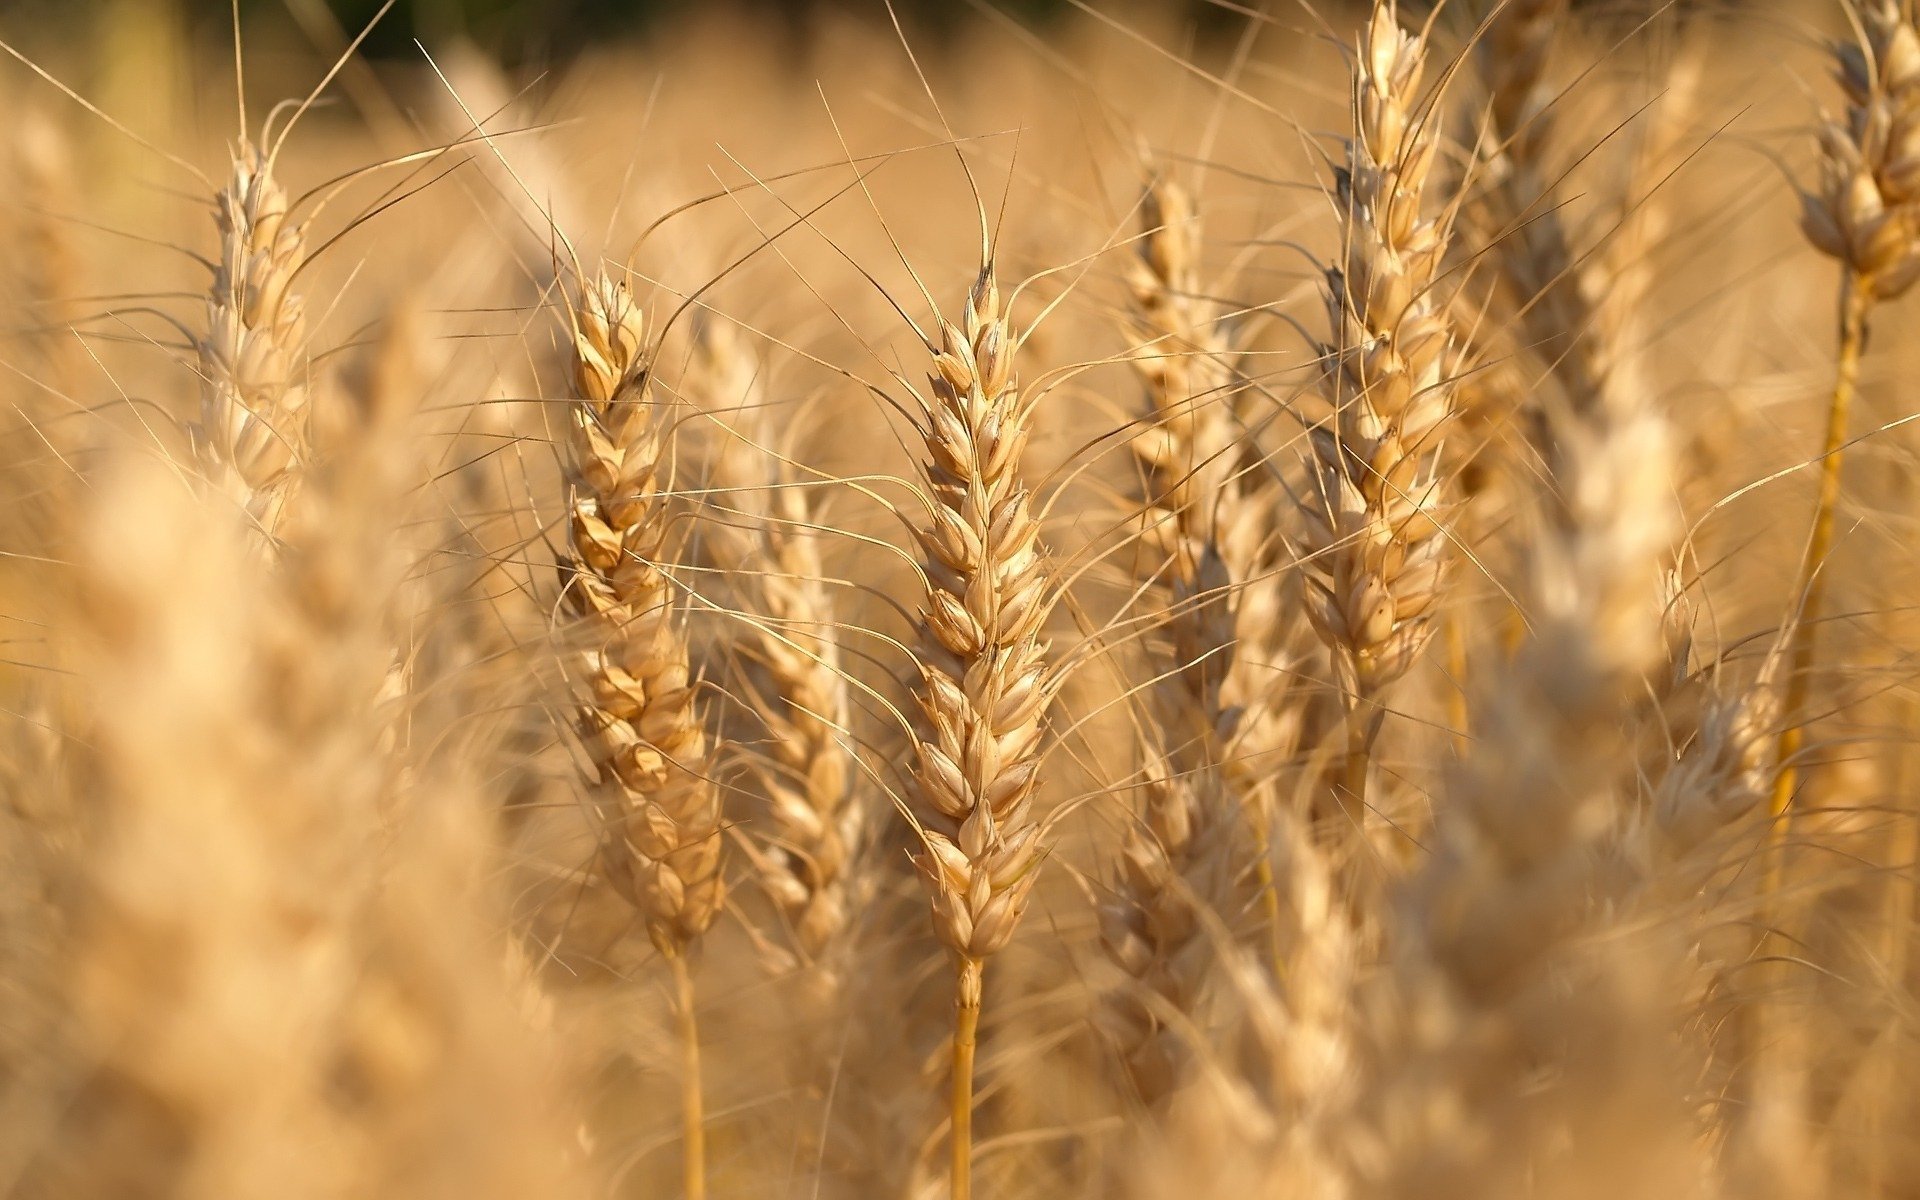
x: 769, y: 546
x: 253, y: 396
x: 1865, y: 212
x: 985, y: 680
x: 658, y: 804
x: 1377, y: 506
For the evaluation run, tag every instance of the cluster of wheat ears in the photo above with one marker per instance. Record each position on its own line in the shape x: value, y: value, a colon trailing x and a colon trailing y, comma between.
x: 1309, y: 611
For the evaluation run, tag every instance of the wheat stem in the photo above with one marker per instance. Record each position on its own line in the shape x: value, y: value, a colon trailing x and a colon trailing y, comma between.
x: 966, y: 1026
x: 1856, y: 300
x: 1353, y: 773
x: 693, y: 1145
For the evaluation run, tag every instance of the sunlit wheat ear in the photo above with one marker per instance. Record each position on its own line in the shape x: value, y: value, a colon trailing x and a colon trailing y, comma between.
x: 1864, y: 211
x: 654, y: 791
x: 1377, y: 503
x: 985, y: 680
x: 253, y: 395
x: 1861, y: 209
x: 811, y: 860
x: 639, y: 718
x: 985, y: 676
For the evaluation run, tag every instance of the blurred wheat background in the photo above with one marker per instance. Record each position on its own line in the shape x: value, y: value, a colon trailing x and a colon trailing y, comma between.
x: 1053, y: 599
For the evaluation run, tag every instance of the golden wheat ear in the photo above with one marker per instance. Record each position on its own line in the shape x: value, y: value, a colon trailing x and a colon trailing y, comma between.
x: 985, y: 677
x: 1224, y: 713
x: 654, y: 788
x: 1378, y: 504
x: 812, y: 860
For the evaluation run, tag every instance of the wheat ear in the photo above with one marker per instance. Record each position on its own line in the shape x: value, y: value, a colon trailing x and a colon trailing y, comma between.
x: 1865, y: 212
x: 253, y: 394
x: 1374, y: 537
x: 809, y: 863
x: 654, y: 789
x: 1205, y: 524
x: 985, y: 680
x: 1498, y: 961
x: 1552, y: 294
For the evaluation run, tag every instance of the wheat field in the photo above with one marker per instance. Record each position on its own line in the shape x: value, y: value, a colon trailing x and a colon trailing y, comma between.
x: 1248, y: 600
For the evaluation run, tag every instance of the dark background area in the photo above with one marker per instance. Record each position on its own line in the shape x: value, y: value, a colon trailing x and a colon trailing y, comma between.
x: 516, y: 28
x: 521, y: 30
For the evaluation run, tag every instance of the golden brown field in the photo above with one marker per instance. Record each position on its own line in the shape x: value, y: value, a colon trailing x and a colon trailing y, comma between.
x: 1322, y: 608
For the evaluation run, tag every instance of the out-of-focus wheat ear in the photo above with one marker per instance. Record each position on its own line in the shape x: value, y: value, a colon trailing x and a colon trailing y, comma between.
x: 253, y: 898
x: 1508, y: 965
x: 1377, y: 502
x: 1550, y: 292
x: 273, y: 991
x: 1627, y: 268
x: 209, y: 695
x: 1224, y: 715
x: 1269, y: 1113
x: 654, y: 789
x: 1521, y: 222
x: 1722, y: 771
x: 812, y: 859
x: 1864, y: 211
x: 369, y: 453
x: 1175, y: 868
x: 252, y: 432
x: 985, y: 678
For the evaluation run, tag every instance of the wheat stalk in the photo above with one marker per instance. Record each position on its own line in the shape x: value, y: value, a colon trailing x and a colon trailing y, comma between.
x: 1376, y: 549
x: 654, y: 789
x: 1865, y: 212
x: 253, y: 395
x: 985, y: 680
